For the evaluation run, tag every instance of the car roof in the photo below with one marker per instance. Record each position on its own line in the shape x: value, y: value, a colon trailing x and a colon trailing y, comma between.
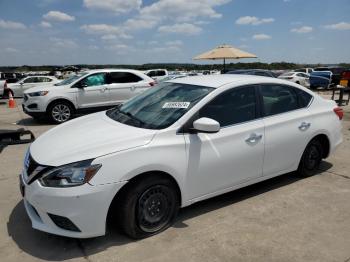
x: 112, y: 70
x: 217, y: 81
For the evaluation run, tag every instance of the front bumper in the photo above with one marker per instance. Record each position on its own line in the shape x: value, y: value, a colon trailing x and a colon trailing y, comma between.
x: 85, y: 206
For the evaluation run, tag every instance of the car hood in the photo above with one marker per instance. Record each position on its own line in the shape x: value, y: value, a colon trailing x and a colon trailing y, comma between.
x: 45, y: 87
x: 86, y: 138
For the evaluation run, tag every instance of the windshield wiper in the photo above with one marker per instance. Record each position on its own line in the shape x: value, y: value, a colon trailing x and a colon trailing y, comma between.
x: 131, y: 116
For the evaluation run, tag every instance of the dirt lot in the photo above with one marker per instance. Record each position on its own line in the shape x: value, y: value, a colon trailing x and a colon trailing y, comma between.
x: 283, y: 219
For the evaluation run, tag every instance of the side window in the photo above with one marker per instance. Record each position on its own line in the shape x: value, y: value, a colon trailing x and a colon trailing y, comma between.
x: 95, y: 80
x: 122, y: 77
x: 235, y: 106
x: 278, y: 99
x: 161, y: 73
x: 30, y: 80
x: 152, y: 73
x: 45, y: 79
x: 303, y: 98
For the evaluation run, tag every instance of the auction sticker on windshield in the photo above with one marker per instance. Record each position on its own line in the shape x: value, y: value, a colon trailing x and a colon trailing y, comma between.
x: 176, y: 105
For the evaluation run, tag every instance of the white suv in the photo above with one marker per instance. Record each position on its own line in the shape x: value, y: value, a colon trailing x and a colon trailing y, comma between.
x: 87, y: 91
x: 157, y: 74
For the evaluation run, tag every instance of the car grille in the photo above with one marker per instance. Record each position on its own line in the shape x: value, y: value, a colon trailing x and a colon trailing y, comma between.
x: 32, y: 168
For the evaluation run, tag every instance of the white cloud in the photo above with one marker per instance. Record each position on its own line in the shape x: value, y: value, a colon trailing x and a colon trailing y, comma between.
x: 11, y: 25
x: 63, y: 42
x: 140, y: 23
x: 109, y: 37
x: 261, y: 37
x: 102, y: 29
x: 184, y: 28
x: 302, y: 30
x: 183, y: 10
x: 174, y: 43
x: 253, y: 20
x: 339, y: 26
x: 45, y: 24
x: 11, y: 50
x: 108, y: 32
x: 57, y: 16
x: 117, y: 6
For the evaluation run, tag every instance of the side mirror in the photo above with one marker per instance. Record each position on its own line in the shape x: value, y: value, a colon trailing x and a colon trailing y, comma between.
x: 206, y: 125
x: 80, y: 85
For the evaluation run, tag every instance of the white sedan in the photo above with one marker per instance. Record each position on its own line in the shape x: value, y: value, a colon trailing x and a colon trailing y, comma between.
x: 17, y: 89
x: 297, y: 77
x: 178, y: 143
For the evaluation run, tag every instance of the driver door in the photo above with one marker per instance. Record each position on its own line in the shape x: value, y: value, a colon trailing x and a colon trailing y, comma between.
x: 233, y: 155
x: 92, y: 91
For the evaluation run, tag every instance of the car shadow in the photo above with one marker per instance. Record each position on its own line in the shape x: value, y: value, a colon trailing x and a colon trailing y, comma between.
x: 55, y: 248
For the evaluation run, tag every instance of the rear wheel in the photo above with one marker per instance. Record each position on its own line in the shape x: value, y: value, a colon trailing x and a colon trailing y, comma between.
x: 60, y: 112
x: 148, y: 207
x: 311, y: 159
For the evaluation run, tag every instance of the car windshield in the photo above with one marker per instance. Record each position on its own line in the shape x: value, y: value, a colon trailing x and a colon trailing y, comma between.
x: 70, y: 79
x: 159, y: 107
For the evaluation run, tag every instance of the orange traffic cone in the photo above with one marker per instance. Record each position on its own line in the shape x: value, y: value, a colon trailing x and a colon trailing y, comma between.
x: 12, y: 102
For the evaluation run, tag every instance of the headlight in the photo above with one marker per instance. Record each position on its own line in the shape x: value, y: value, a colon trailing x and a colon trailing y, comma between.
x: 40, y: 93
x: 70, y: 175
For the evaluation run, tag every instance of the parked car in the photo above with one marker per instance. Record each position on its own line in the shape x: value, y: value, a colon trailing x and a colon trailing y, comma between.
x: 321, y: 79
x: 256, y: 72
x: 84, y: 92
x: 11, y: 77
x: 336, y: 73
x: 2, y: 87
x: 306, y: 70
x: 178, y: 143
x: 296, y: 77
x: 345, y: 78
x: 17, y: 89
x: 157, y: 74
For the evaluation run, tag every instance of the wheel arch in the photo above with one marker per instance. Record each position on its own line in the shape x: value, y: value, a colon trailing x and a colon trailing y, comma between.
x: 60, y: 100
x: 325, y: 141
x: 133, y: 180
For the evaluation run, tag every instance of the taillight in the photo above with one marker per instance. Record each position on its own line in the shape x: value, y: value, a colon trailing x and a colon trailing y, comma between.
x: 153, y: 83
x: 339, y: 112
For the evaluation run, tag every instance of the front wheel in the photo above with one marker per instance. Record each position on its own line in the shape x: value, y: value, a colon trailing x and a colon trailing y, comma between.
x: 60, y: 112
x: 311, y: 159
x: 148, y: 207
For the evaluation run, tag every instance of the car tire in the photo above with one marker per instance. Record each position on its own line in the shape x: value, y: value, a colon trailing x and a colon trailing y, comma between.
x: 60, y: 112
x: 311, y: 159
x: 148, y: 207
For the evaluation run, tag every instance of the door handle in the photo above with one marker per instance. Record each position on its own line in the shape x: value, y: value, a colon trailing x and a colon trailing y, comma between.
x: 304, y: 126
x: 103, y: 89
x: 253, y: 138
x: 132, y: 88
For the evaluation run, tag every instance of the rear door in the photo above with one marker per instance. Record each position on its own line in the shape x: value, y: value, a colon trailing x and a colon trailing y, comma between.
x: 287, y: 127
x: 124, y: 85
x: 92, y: 91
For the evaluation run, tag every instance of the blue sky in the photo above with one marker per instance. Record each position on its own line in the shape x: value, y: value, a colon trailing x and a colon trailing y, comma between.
x: 58, y: 32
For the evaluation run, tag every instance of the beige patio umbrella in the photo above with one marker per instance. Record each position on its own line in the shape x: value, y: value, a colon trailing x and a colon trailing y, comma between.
x: 224, y: 52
